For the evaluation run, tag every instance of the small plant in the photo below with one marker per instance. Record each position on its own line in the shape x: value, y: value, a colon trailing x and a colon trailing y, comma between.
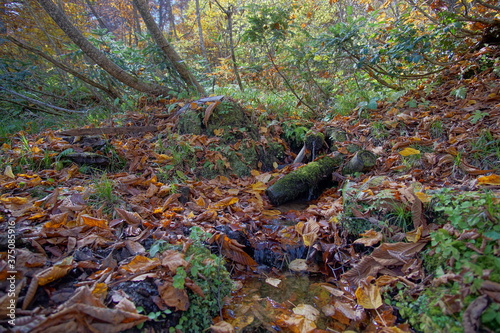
x: 437, y: 129
x: 379, y: 130
x: 104, y: 194
x: 475, y: 214
x: 477, y: 116
x: 207, y: 271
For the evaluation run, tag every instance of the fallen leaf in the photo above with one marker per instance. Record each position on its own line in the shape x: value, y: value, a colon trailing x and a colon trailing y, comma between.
x: 222, y: 327
x: 409, y: 151
x: 174, y: 297
x: 141, y: 264
x: 306, y: 310
x: 368, y: 294
x: 370, y: 238
x: 489, y: 180
x: 273, y: 282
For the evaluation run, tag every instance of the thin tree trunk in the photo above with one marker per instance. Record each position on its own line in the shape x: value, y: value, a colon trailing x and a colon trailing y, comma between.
x: 171, y: 18
x: 200, y: 33
x: 94, y: 12
x: 168, y: 50
x: 109, y: 91
x: 229, y: 16
x: 96, y: 55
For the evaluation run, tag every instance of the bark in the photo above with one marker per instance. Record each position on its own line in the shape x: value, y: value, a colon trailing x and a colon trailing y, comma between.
x: 364, y: 160
x: 62, y: 20
x: 109, y: 91
x: 171, y: 18
x: 200, y: 33
x: 98, y: 17
x: 303, y: 180
x: 229, y: 16
x: 37, y: 102
x: 168, y: 50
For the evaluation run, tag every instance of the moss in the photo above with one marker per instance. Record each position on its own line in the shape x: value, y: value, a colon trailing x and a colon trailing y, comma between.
x: 190, y: 122
x: 302, y: 180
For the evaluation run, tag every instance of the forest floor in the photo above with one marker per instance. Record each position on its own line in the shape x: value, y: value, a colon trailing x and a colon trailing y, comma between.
x: 110, y: 249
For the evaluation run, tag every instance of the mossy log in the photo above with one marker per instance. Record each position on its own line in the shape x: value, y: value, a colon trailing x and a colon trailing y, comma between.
x: 363, y: 161
x: 302, y: 180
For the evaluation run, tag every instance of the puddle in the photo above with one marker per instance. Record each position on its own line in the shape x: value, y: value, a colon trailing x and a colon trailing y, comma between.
x: 261, y: 306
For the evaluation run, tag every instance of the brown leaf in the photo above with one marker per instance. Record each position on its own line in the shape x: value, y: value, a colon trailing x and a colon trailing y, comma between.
x: 471, y: 317
x: 131, y: 217
x: 370, y: 238
x: 84, y: 312
x: 173, y: 259
x: 174, y: 297
x: 208, y: 112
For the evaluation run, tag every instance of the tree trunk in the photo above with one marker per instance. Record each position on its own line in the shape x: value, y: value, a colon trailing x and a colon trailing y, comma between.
x: 229, y: 14
x: 94, y: 12
x: 171, y: 19
x: 200, y: 33
x: 96, y: 55
x: 168, y: 50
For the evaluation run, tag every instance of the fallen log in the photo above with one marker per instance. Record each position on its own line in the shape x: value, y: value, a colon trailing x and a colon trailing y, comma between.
x: 108, y: 130
x: 363, y: 161
x: 303, y: 180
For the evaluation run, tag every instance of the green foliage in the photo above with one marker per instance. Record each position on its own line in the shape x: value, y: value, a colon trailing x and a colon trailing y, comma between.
x: 268, y: 23
x: 465, y: 257
x: 485, y: 151
x: 205, y: 269
x: 104, y: 194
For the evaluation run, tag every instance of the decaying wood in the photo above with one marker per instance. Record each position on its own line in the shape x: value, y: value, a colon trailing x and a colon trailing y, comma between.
x: 302, y: 180
x: 364, y: 160
x: 108, y: 130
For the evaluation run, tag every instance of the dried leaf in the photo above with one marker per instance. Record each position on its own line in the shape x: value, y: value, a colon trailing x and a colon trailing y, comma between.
x: 368, y: 294
x: 55, y: 272
x: 489, y: 180
x: 273, y: 282
x: 208, y: 112
x: 173, y: 259
x: 370, y: 238
x: 94, y: 222
x: 174, y: 297
x: 306, y: 310
x: 409, y: 151
x: 141, y: 264
x: 222, y: 327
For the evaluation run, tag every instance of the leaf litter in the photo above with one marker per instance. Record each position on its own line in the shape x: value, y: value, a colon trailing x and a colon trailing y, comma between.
x: 299, y: 270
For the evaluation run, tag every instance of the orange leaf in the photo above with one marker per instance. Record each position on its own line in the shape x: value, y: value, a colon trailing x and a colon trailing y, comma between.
x: 226, y: 202
x: 55, y: 272
x: 141, y: 264
x: 94, y: 222
x: 489, y: 180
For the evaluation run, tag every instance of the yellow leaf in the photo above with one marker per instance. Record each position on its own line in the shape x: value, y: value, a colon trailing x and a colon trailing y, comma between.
x: 259, y: 186
x: 275, y: 165
x: 8, y: 172
x: 100, y: 290
x: 423, y: 197
x: 254, y: 172
x: 368, y: 294
x: 414, y: 236
x: 271, y: 212
x: 14, y: 200
x: 219, y: 131
x: 489, y: 180
x: 409, y: 151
